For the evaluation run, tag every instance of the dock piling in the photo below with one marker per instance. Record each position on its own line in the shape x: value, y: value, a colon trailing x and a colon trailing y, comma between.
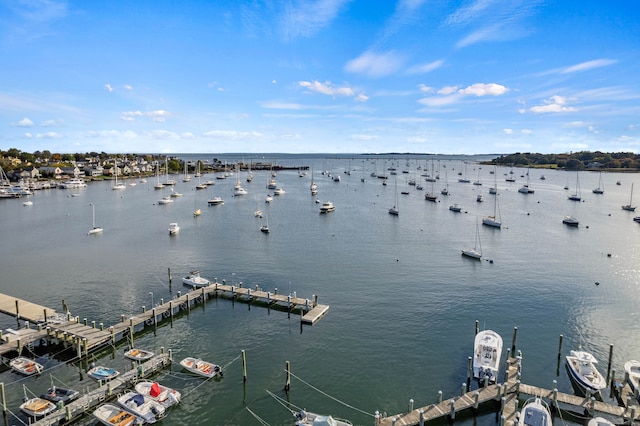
x: 421, y: 417
x: 287, y: 384
x: 452, y: 410
x: 439, y: 396
x: 469, y: 369
x: 515, y: 336
x: 244, y: 366
x: 609, y: 363
x: 411, y: 405
x: 463, y: 390
x: 477, y: 329
x: 4, y: 401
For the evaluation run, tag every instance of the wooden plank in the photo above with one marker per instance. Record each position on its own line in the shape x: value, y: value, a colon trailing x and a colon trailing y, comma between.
x: 315, y: 314
x: 29, y: 311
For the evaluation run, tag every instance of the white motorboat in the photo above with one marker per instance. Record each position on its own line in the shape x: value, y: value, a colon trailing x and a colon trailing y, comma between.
x: 146, y: 408
x: 109, y: 414
x: 137, y: 354
x: 195, y: 280
x: 268, y: 198
x: 632, y: 374
x: 26, y: 366
x: 305, y: 418
x: 570, y: 220
x: 165, y: 200
x: 103, y: 373
x: 74, y: 183
x: 583, y: 372
x: 201, y: 368
x: 159, y: 393
x: 215, y: 201
x: 327, y: 207
x: 37, y: 407
x: 600, y: 421
x: 174, y: 228
x: 486, y: 355
x: 535, y: 413
x: 278, y: 191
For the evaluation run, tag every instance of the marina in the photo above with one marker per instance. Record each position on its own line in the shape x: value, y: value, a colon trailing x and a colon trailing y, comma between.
x: 401, y: 295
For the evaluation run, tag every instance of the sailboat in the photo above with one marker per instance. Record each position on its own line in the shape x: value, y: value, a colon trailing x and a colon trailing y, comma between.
x: 158, y: 185
x: 95, y: 229
x: 599, y: 189
x: 465, y: 179
x: 576, y: 196
x: 186, y: 178
x: 314, y: 186
x: 445, y: 191
x: 494, y: 220
x: 168, y: 181
x: 431, y: 195
x: 526, y: 189
x: 118, y: 186
x: 249, y: 174
x: 200, y: 185
x: 629, y: 207
x: 265, y: 228
x: 395, y: 211
x: 476, y: 251
x: 238, y: 189
x: 197, y: 212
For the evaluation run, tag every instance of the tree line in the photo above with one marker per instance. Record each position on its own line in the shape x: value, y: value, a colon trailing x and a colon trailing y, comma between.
x: 621, y: 161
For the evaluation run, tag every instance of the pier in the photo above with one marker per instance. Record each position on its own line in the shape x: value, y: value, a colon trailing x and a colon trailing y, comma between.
x: 506, y: 396
x: 86, y: 337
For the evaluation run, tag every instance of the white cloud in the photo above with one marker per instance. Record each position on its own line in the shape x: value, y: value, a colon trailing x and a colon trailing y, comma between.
x: 232, y: 134
x: 437, y: 101
x: 48, y: 135
x: 25, y: 122
x: 585, y: 66
x: 163, y: 134
x: 526, y: 131
x: 50, y: 123
x: 109, y: 88
x: 326, y: 88
x: 307, y: 18
x: 553, y: 104
x: 158, y: 116
x: 507, y: 131
x: 126, y: 134
x: 188, y: 135
x: 425, y: 88
x: 425, y: 68
x: 576, y: 124
x: 362, y: 98
x: 363, y: 137
x: 447, y: 90
x: 128, y: 87
x: 27, y: 136
x: 375, y: 64
x: 482, y: 89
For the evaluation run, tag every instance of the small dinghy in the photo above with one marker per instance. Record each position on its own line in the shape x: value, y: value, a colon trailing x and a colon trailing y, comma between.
x: 26, y: 366
x: 110, y: 415
x: 56, y: 394
x: 37, y: 407
x: 200, y: 367
x: 162, y: 394
x: 136, y: 354
x: 102, y: 373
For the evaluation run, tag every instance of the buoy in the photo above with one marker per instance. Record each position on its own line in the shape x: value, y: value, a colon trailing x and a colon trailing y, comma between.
x: 608, y: 254
x: 597, y: 283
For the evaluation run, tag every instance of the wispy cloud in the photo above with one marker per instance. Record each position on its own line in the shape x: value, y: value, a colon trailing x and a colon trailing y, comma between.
x: 376, y: 64
x: 448, y: 95
x: 585, y: 66
x: 426, y: 68
x: 554, y: 104
x: 232, y: 135
x: 159, y: 116
x: 492, y: 20
x: 327, y: 88
x: 113, y: 134
x: 307, y: 17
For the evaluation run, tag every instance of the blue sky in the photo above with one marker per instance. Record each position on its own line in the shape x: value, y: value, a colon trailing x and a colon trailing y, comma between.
x: 450, y: 77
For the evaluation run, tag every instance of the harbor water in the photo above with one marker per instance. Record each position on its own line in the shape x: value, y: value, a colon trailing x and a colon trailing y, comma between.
x: 403, y: 301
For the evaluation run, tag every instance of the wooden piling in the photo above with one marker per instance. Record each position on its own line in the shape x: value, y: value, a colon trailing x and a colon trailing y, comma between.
x: 609, y: 363
x: 244, y: 366
x: 287, y: 384
x: 515, y: 336
x: 477, y: 327
x: 560, y: 347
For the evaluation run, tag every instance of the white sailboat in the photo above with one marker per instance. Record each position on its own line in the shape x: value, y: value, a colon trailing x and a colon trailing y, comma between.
x: 158, y: 185
x: 600, y: 188
x: 187, y: 177
x: 95, y: 229
x: 494, y: 220
x: 476, y: 251
x: 168, y: 181
x: 238, y: 189
x: 118, y: 186
x: 629, y: 207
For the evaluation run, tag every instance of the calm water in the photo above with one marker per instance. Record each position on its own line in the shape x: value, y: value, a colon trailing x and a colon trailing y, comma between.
x: 403, y: 300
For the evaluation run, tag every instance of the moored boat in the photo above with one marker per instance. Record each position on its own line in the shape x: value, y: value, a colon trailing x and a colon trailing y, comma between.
x: 174, y: 228
x: 136, y: 354
x: 100, y: 372
x: 306, y: 418
x: 583, y: 372
x: 600, y: 421
x: 327, y: 207
x: 57, y: 394
x: 215, y: 201
x: 486, y: 355
x: 570, y: 220
x: 200, y: 367
x: 535, y: 412
x: 141, y: 406
x: 632, y: 374
x: 195, y: 280
x: 110, y: 415
x: 159, y: 393
x: 37, y: 407
x: 26, y: 366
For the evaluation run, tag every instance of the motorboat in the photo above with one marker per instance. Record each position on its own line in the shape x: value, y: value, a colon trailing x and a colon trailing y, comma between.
x: 144, y: 407
x: 570, y: 220
x: 479, y: 198
x: 57, y: 394
x: 278, y: 191
x: 195, y: 280
x: 583, y: 372
x: 37, y: 407
x: 486, y: 355
x: 165, y: 200
x: 632, y: 374
x: 535, y: 412
x: 25, y: 366
x: 215, y: 201
x: 600, y: 421
x: 109, y: 414
x: 100, y: 372
x: 306, y: 418
x: 74, y: 183
x: 327, y: 207
x: 201, y: 368
x: 455, y: 208
x: 268, y: 198
x: 174, y: 228
x: 159, y: 393
x: 636, y: 219
x: 136, y: 354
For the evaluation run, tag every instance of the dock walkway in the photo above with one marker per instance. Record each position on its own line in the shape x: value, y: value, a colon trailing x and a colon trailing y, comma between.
x: 23, y: 309
x: 506, y: 396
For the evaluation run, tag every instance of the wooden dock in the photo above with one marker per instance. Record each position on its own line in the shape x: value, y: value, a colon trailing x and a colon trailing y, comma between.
x: 86, y: 337
x: 506, y: 396
x: 25, y: 310
x: 89, y: 401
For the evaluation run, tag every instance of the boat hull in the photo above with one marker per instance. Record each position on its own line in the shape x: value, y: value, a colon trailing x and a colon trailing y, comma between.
x: 486, y: 355
x: 583, y: 373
